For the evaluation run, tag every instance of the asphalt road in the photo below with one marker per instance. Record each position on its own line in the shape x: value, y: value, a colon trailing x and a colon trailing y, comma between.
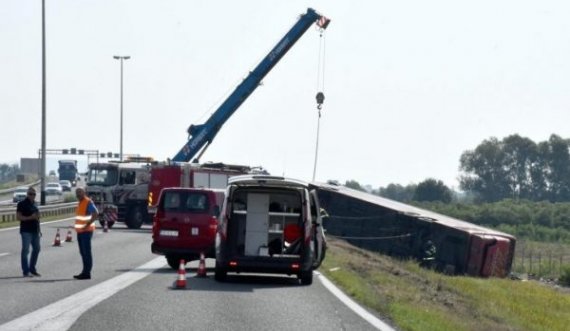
x: 244, y: 302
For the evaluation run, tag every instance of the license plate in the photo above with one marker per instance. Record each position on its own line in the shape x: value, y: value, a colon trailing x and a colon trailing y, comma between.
x: 169, y: 233
x: 195, y: 231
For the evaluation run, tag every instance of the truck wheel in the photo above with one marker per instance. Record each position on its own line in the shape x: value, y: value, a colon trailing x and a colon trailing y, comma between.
x: 173, y: 261
x: 306, y: 277
x: 135, y: 217
x: 220, y: 274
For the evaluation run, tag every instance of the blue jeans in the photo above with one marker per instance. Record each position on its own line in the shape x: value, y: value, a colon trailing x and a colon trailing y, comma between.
x: 84, y: 241
x: 30, y: 239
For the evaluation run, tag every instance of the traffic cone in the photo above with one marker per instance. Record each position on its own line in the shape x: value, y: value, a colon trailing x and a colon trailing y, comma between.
x: 105, y: 226
x: 68, y: 238
x: 201, y: 272
x: 181, y: 281
x: 57, y: 241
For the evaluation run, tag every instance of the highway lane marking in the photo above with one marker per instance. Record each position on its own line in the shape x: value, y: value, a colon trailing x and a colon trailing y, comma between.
x: 62, y: 314
x: 4, y: 254
x: 377, y: 323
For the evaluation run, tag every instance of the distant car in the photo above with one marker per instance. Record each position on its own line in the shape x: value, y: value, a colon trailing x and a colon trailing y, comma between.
x: 53, y: 189
x: 20, y: 194
x: 65, y: 185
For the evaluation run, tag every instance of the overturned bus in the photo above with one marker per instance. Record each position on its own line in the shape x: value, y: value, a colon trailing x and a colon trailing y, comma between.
x: 393, y: 228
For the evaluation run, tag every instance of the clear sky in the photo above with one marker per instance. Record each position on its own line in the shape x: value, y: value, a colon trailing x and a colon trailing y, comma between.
x: 409, y: 85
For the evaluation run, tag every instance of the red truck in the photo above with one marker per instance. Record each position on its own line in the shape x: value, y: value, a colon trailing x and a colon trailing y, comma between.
x: 206, y: 175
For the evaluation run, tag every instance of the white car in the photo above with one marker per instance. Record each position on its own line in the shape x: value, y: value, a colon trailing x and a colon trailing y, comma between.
x: 20, y: 194
x: 53, y: 188
x: 65, y: 185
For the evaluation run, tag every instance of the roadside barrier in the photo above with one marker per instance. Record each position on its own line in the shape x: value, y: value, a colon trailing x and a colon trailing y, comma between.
x: 201, y: 272
x: 9, y: 214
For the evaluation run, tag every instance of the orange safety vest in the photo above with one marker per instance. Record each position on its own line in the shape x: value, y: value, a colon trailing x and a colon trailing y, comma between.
x: 81, y: 217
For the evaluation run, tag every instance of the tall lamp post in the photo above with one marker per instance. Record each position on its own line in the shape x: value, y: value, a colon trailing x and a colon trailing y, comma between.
x: 43, y: 158
x: 121, y: 58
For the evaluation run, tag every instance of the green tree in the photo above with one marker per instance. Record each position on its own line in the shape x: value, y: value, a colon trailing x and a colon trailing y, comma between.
x: 484, y: 172
x: 354, y: 185
x: 520, y: 158
x: 398, y: 192
x: 558, y: 174
x: 432, y: 190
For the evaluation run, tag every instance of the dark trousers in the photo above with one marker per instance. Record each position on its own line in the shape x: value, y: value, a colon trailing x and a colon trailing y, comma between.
x: 84, y: 241
x: 30, y: 239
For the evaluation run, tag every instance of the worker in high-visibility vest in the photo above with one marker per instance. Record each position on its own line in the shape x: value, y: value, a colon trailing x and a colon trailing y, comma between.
x: 85, y: 217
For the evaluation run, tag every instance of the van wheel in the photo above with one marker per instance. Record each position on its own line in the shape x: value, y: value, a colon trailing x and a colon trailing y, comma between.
x: 220, y: 274
x: 306, y: 277
x: 173, y: 261
x: 135, y: 217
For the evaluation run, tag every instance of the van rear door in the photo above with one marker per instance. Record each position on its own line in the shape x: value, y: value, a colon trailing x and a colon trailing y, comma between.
x: 188, y: 220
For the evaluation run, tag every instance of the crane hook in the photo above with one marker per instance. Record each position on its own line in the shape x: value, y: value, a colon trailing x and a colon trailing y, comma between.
x: 320, y: 99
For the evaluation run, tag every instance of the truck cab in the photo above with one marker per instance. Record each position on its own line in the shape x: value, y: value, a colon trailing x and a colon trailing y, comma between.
x: 120, y: 191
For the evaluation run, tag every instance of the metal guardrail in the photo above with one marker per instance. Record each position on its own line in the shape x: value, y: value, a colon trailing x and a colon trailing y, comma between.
x: 12, y: 189
x: 45, y: 211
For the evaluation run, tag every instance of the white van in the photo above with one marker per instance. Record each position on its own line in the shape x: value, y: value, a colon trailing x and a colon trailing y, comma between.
x: 269, y: 224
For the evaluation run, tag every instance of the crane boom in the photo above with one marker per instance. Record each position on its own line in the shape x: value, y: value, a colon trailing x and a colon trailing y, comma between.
x: 203, y: 134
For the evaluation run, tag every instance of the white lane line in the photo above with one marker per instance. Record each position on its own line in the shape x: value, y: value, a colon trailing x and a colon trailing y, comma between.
x: 62, y: 314
x: 4, y: 254
x: 377, y: 323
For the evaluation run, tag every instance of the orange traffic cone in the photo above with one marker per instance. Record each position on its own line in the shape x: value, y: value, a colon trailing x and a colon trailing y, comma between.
x: 68, y: 238
x: 105, y: 226
x: 202, y: 267
x: 57, y: 241
x: 181, y: 281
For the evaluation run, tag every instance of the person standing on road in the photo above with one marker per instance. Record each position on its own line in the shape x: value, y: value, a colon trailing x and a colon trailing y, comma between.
x: 29, y: 216
x: 85, y: 217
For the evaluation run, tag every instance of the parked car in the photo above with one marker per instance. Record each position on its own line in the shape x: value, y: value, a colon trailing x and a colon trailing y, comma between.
x: 20, y: 194
x: 53, y: 189
x: 185, y: 223
x: 269, y: 225
x: 65, y: 185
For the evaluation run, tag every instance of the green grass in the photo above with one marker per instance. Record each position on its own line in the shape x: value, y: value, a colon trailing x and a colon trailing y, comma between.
x: 414, y: 298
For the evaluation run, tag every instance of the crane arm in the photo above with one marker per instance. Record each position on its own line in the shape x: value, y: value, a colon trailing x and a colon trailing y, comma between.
x: 201, y: 135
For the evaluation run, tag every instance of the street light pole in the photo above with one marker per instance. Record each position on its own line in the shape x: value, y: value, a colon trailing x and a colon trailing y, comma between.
x: 43, y: 156
x: 121, y: 58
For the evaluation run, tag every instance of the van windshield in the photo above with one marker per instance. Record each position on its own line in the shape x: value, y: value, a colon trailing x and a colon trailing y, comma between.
x: 185, y: 202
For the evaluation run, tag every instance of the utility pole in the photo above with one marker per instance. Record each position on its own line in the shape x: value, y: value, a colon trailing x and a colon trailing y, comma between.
x: 121, y: 58
x: 43, y: 160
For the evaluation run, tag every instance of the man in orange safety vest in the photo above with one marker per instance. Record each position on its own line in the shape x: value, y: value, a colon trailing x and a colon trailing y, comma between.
x: 85, y: 217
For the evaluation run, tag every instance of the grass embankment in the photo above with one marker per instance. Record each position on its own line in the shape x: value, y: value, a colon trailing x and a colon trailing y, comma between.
x: 413, y: 298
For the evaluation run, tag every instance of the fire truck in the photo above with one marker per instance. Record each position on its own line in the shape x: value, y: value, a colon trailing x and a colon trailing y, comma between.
x: 122, y: 190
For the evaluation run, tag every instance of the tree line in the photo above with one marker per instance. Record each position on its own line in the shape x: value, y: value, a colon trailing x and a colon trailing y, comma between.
x: 8, y: 172
x: 514, y: 184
